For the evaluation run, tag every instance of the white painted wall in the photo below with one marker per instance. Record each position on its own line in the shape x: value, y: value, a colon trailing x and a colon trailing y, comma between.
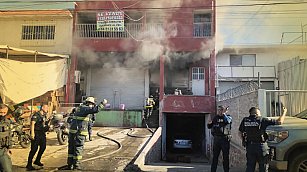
x: 265, y: 56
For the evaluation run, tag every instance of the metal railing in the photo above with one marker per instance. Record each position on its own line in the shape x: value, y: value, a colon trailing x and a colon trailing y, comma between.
x: 246, y: 71
x: 294, y: 100
x: 138, y: 31
x: 202, y: 29
x: 238, y: 91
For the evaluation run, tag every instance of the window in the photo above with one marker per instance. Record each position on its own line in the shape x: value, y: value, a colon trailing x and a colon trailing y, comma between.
x: 30, y: 32
x: 202, y: 24
x: 243, y: 60
x: 198, y: 73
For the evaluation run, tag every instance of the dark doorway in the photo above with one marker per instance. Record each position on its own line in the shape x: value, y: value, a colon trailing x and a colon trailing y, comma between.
x: 188, y: 128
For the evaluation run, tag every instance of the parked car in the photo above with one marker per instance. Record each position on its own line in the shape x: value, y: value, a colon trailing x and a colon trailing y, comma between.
x: 182, y: 141
x: 288, y: 143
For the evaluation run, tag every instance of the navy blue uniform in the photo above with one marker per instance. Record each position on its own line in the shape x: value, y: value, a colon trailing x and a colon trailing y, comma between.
x: 220, y: 129
x: 92, y: 119
x: 257, y: 149
x: 39, y: 140
x: 77, y: 133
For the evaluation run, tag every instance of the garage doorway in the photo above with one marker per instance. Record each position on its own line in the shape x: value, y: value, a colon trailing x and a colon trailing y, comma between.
x: 185, y: 137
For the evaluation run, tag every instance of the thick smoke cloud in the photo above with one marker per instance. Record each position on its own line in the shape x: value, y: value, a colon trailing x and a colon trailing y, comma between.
x: 153, y: 43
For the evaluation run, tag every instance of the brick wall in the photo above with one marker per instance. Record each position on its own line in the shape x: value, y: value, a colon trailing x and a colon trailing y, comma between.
x: 238, y: 108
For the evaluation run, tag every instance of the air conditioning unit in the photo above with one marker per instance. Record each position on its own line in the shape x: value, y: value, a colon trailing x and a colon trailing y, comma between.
x: 77, y: 76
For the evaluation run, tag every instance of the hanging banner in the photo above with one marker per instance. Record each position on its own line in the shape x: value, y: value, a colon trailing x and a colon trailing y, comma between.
x: 110, y: 21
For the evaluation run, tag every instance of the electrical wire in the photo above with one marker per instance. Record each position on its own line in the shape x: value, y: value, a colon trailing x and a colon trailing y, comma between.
x: 172, y: 7
x: 127, y: 16
x: 252, y: 17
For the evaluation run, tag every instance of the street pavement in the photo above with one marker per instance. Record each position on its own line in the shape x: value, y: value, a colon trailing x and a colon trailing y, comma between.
x: 105, y: 155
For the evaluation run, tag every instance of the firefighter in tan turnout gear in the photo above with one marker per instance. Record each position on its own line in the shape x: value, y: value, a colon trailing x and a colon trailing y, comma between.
x: 78, y: 132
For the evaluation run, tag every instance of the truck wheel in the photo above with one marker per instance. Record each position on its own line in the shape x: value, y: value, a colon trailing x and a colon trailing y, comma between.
x: 298, y: 163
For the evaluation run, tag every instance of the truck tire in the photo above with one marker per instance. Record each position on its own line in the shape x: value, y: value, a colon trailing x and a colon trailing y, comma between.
x: 298, y: 163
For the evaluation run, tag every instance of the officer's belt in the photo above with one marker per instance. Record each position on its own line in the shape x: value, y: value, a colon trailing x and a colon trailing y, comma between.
x: 80, y: 118
x: 255, y: 143
x: 221, y: 135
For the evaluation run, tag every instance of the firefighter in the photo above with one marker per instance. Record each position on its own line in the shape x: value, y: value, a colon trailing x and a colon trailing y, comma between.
x: 92, y: 119
x: 253, y: 128
x: 5, y: 160
x: 78, y: 131
x: 149, y: 104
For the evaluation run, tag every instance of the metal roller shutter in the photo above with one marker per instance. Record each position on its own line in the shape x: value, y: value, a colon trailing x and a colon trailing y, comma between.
x: 119, y: 86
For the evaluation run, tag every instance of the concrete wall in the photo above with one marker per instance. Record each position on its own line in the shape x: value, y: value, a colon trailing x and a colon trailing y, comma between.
x: 238, y: 108
x: 119, y: 119
x: 11, y: 33
x: 152, y: 151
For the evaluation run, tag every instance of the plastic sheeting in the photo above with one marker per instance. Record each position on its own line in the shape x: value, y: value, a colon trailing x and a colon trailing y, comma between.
x: 22, y: 81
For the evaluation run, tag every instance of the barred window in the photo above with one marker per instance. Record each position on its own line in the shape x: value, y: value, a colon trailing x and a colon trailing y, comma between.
x: 198, y: 73
x: 202, y: 24
x: 38, y: 32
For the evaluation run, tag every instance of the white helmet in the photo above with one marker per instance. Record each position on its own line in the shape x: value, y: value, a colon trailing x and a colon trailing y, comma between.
x: 104, y: 101
x: 90, y: 99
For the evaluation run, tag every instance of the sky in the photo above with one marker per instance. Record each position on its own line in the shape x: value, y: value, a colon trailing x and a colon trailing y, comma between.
x: 251, y: 22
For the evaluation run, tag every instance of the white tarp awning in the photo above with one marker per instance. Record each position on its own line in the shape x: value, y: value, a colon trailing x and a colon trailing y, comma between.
x: 22, y: 81
x: 17, y: 51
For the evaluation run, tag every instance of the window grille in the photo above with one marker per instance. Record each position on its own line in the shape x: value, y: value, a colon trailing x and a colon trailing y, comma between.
x: 34, y: 32
x: 198, y: 73
x: 202, y: 25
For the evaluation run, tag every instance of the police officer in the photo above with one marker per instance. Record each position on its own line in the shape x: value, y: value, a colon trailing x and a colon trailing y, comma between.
x: 221, y: 130
x: 253, y: 129
x: 78, y: 131
x: 5, y: 137
x: 38, y: 128
x: 92, y: 119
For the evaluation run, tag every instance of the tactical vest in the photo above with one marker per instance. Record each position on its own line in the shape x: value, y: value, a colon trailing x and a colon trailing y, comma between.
x: 40, y: 122
x: 221, y: 128
x: 5, y: 132
x: 253, y: 129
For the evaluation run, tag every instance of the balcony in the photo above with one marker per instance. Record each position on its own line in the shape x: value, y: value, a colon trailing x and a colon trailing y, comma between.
x: 246, y: 71
x: 139, y: 30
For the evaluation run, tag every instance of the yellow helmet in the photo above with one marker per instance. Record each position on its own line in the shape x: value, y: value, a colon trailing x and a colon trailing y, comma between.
x: 90, y: 99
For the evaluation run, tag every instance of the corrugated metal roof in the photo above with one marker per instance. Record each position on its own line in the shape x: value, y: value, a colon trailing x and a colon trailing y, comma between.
x: 36, y: 12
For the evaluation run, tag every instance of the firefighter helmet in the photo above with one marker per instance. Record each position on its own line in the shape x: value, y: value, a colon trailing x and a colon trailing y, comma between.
x: 104, y: 101
x: 90, y: 100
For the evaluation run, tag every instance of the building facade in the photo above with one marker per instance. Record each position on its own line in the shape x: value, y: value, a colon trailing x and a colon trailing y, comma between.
x: 241, y: 64
x: 48, y: 31
x: 128, y: 51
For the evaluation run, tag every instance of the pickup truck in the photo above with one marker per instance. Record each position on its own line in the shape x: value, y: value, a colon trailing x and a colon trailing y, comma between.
x: 288, y: 144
